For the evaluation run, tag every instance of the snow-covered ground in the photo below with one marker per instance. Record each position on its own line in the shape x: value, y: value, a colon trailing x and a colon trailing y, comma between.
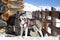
x: 2, y: 37
x: 29, y: 38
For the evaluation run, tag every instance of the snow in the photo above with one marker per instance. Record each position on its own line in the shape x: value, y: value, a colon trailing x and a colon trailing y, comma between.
x: 45, y: 7
x: 29, y: 14
x: 57, y: 8
x: 30, y: 7
x: 57, y: 22
x: 29, y: 38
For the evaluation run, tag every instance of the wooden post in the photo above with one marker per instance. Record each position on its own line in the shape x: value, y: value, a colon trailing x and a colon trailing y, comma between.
x: 53, y: 20
x: 46, y: 20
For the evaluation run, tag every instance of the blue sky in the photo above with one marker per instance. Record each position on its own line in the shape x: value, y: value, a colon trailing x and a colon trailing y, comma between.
x: 44, y: 2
